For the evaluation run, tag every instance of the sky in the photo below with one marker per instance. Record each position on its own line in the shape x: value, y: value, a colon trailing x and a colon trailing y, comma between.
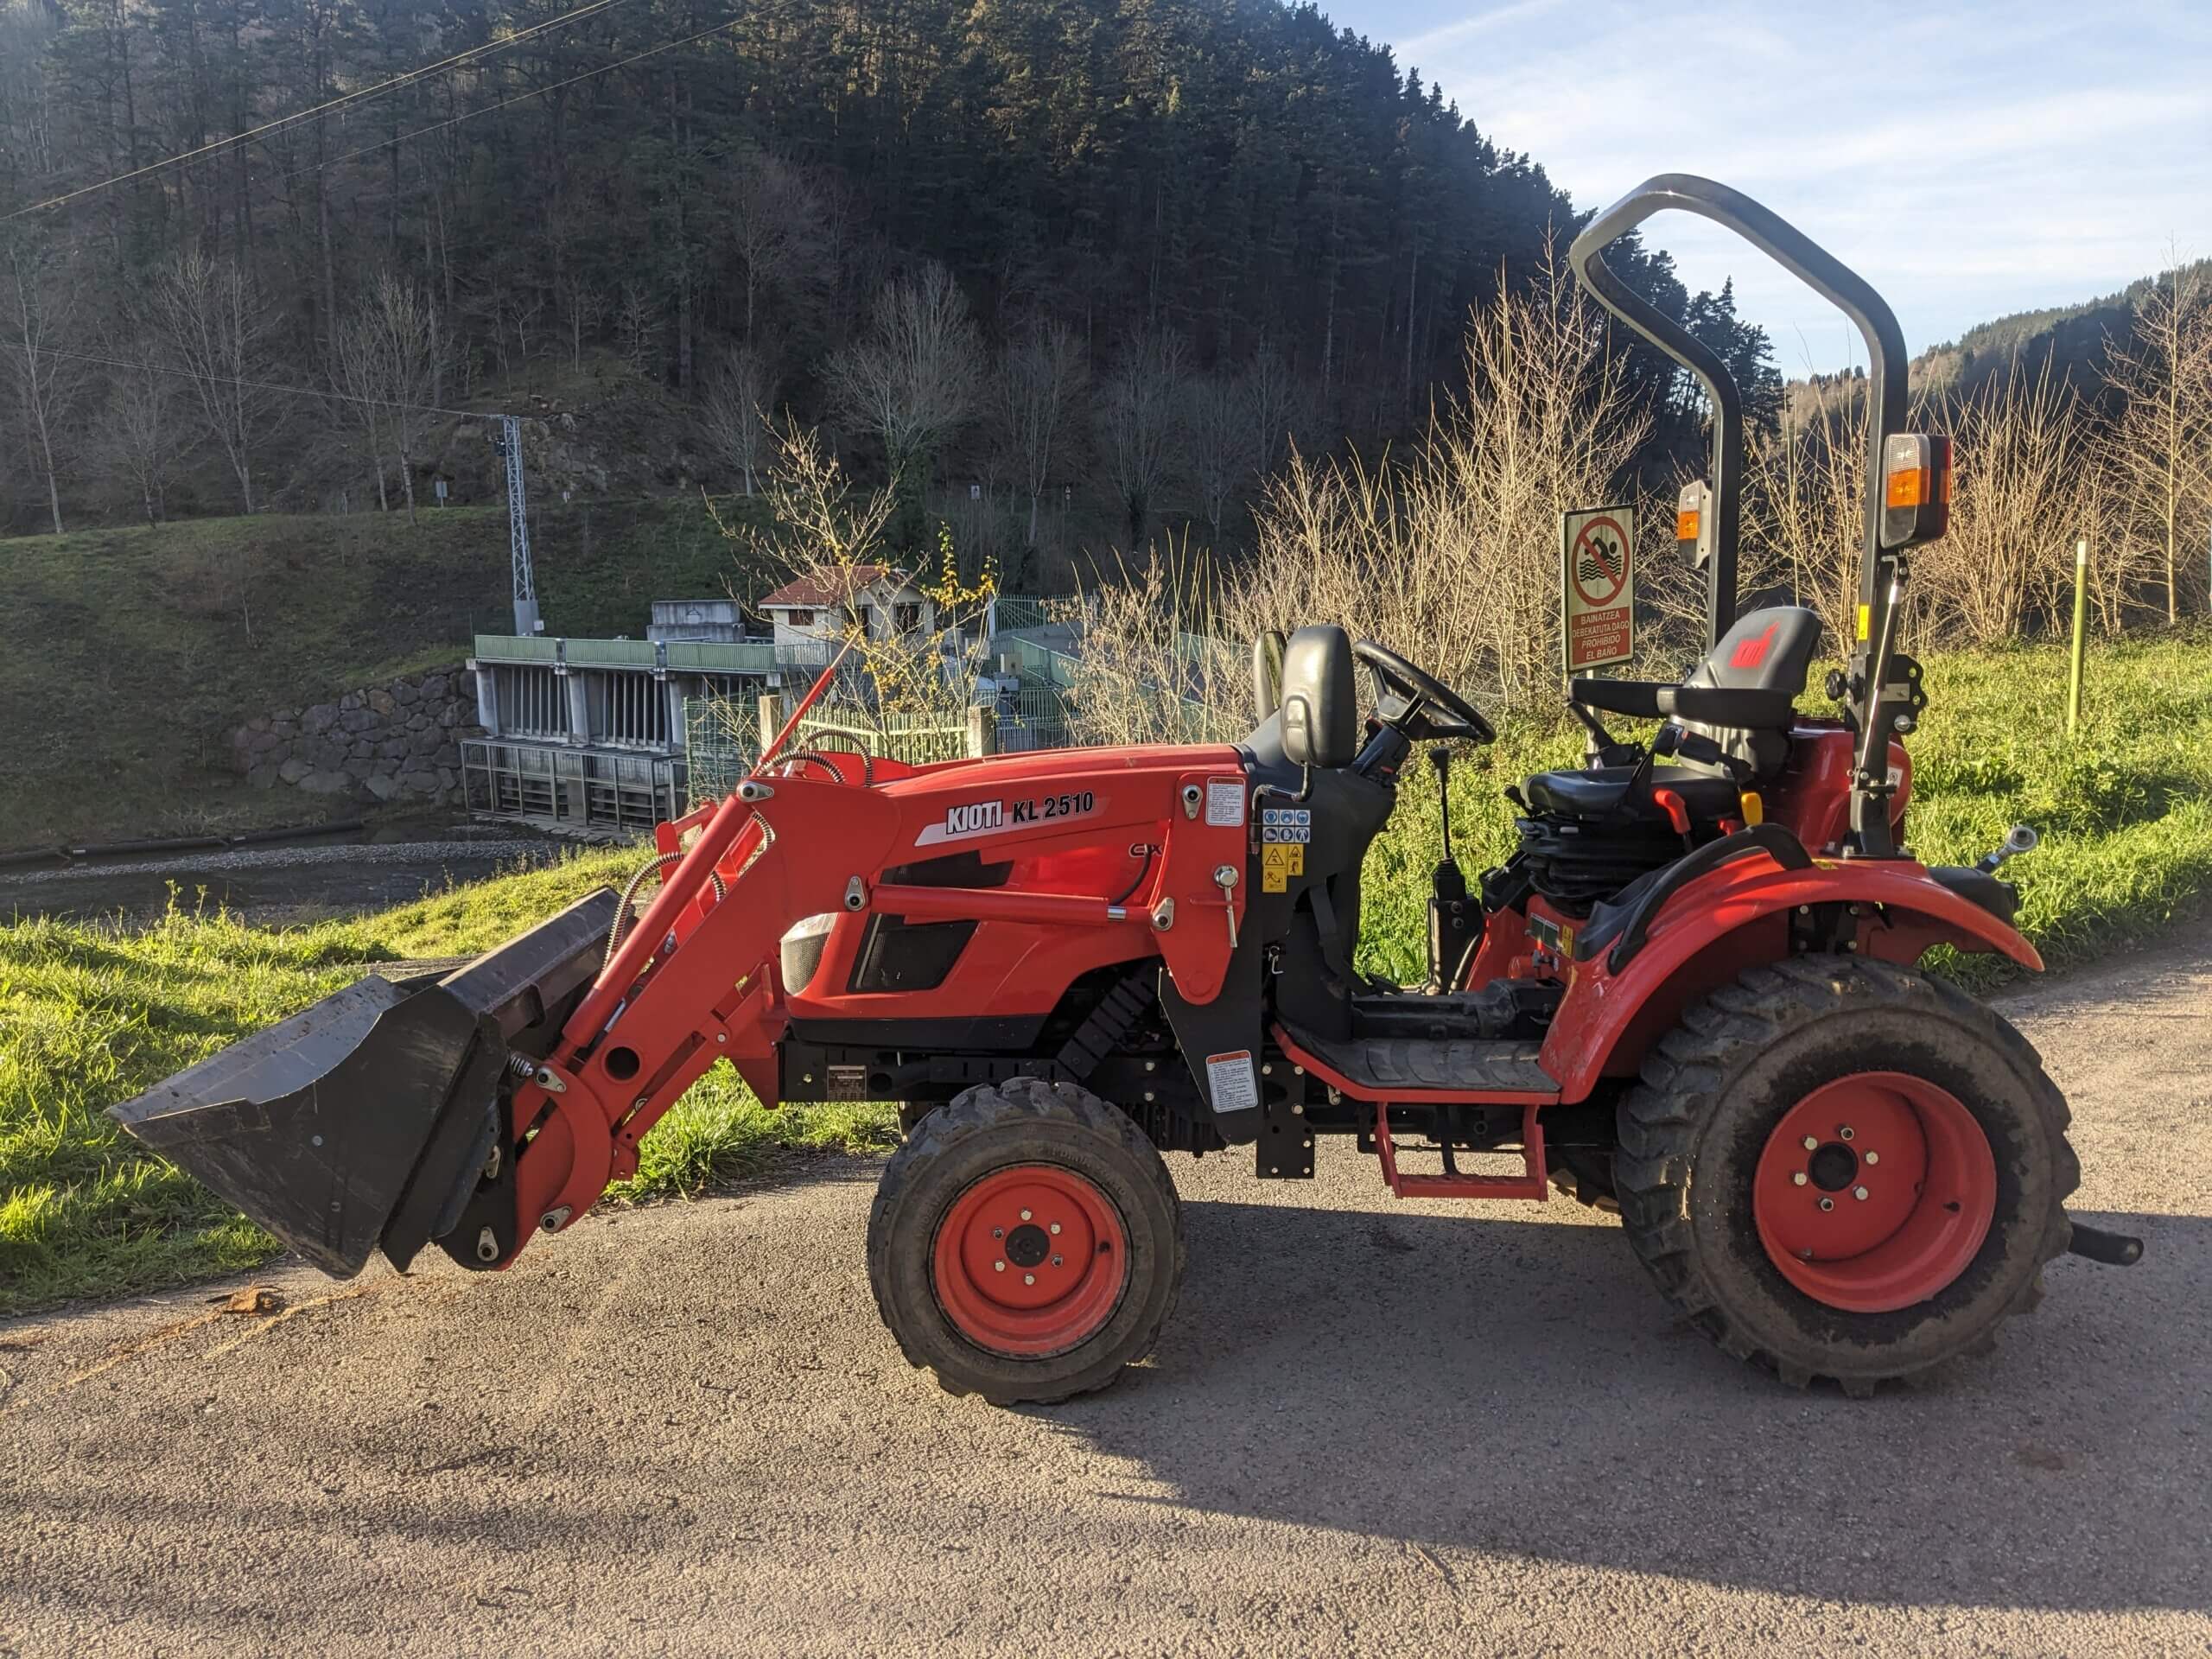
x: 1969, y: 159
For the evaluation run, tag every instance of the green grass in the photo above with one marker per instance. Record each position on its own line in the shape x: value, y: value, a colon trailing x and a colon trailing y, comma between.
x: 2125, y: 807
x: 126, y: 656
x: 89, y: 1016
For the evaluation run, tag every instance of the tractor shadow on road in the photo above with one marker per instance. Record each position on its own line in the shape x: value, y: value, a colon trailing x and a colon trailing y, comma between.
x: 1512, y: 1388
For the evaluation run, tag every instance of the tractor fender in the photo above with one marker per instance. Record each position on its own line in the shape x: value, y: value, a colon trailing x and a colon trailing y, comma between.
x: 1737, y: 917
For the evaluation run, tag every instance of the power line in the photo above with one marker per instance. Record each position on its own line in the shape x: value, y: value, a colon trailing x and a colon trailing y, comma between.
x: 281, y: 122
x: 536, y: 91
x: 261, y: 386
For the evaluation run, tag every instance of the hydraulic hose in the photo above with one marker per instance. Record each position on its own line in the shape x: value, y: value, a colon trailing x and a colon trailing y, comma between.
x: 622, y: 918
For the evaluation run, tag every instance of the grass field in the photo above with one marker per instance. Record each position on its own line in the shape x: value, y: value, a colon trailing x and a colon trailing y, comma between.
x: 89, y: 1016
x: 126, y: 656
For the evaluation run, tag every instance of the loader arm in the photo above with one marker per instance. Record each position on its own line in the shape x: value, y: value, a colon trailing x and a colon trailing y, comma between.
x: 698, y: 978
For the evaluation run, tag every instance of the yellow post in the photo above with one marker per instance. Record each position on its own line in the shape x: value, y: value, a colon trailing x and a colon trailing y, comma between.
x: 2081, y: 629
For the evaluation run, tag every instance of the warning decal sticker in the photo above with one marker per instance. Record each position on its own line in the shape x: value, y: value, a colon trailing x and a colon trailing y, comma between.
x: 1225, y: 802
x: 1232, y: 1082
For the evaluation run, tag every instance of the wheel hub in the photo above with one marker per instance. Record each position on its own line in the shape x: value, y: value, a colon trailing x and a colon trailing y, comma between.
x: 1030, y: 1261
x: 1874, y: 1192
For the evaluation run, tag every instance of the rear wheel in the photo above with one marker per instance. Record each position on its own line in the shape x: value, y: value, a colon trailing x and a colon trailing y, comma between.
x: 1843, y: 1168
x: 1026, y: 1242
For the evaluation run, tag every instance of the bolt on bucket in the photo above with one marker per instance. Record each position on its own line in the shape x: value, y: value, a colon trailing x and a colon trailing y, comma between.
x: 370, y: 1118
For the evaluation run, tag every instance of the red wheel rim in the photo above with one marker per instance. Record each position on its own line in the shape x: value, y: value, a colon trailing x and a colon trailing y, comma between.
x: 1874, y: 1192
x: 1031, y: 1261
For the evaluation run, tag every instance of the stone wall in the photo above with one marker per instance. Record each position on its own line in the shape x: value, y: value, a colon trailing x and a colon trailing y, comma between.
x: 400, y: 740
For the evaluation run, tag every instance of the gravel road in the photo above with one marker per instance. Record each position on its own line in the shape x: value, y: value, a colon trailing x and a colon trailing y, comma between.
x: 1372, y: 1426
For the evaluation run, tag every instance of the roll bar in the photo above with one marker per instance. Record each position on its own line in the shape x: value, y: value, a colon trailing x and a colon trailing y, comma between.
x: 1880, y: 570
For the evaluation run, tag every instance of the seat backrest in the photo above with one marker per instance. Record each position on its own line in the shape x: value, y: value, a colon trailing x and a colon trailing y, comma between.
x: 1768, y: 650
x: 1320, y: 699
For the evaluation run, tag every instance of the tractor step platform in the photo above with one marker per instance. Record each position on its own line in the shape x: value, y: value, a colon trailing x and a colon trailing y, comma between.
x: 1416, y: 1068
x: 1502, y: 1071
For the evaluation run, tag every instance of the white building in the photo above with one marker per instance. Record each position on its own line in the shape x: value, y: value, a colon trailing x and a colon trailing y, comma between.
x: 812, y: 613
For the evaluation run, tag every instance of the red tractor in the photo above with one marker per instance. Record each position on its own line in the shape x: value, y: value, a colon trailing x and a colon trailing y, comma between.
x: 1691, y: 993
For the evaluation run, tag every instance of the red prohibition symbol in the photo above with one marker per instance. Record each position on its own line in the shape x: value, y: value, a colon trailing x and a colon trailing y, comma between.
x: 1600, y: 564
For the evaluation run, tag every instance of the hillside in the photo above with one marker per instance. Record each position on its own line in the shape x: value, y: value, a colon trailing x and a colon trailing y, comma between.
x: 2073, y: 340
x: 125, y: 655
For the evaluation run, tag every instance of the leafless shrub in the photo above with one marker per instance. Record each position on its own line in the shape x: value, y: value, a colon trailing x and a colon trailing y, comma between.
x: 1149, y: 671
x: 1451, y: 554
x: 2015, y: 512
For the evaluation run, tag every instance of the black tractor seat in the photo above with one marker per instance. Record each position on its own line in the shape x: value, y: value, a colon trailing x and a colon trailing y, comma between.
x: 1602, y: 792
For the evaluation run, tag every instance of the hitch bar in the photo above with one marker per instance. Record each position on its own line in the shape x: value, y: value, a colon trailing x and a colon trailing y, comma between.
x: 2114, y: 1249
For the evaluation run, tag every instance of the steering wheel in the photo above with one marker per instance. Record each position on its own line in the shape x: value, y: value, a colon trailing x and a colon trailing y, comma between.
x: 1426, y: 697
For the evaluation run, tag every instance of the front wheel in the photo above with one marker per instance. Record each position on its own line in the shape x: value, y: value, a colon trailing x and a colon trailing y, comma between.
x: 1026, y: 1242
x: 1842, y: 1168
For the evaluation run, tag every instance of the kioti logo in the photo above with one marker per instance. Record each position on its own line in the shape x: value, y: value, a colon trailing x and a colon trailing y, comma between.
x: 975, y: 818
x: 1750, y: 653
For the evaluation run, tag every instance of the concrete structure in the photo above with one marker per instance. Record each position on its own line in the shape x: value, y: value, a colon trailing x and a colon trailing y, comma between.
x: 720, y: 620
x: 586, y: 736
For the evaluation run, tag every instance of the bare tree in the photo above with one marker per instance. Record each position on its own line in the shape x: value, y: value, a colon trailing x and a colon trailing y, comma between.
x: 39, y: 311
x: 915, y: 376
x: 636, y: 319
x: 358, y: 371
x: 775, y: 222
x: 212, y: 329
x: 1139, y: 413
x: 1274, y: 404
x: 134, y: 431
x: 2160, y: 450
x: 1040, y: 376
x: 387, y: 353
x: 735, y: 417
x: 1220, y: 443
x: 585, y: 307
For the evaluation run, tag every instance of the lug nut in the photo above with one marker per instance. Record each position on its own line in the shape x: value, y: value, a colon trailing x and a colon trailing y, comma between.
x: 1872, y: 1157
x: 1844, y: 1133
x: 998, y: 1232
x: 1799, y: 1177
x: 1025, y: 1215
x: 1000, y: 1266
x: 1055, y: 1227
x: 1827, y: 1204
x: 1028, y: 1278
x: 1858, y: 1192
x: 1811, y: 1144
x: 1056, y: 1261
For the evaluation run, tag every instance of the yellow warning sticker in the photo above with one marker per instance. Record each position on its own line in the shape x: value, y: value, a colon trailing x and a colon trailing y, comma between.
x: 1279, y: 862
x: 1865, y: 618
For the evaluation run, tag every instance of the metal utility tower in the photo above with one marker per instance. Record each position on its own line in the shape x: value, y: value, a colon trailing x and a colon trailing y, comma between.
x: 526, y: 622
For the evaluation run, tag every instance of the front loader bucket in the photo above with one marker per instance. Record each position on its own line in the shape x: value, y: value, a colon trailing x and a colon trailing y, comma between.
x: 368, y: 1118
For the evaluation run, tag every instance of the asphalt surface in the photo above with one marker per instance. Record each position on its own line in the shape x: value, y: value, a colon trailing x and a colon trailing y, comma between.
x: 1371, y: 1427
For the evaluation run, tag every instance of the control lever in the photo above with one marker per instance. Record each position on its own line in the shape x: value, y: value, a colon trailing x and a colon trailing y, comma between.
x: 1454, y: 923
